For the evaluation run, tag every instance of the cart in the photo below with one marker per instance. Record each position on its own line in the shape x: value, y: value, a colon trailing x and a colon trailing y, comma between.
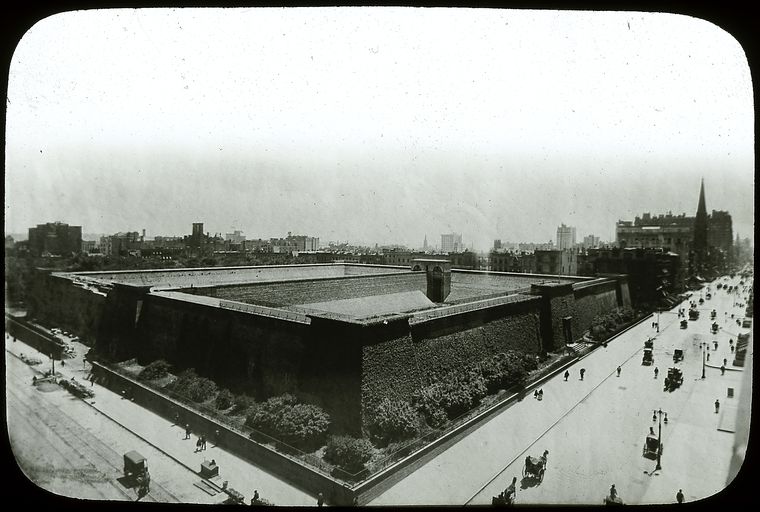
x: 535, y: 467
x: 648, y: 358
x: 136, y: 471
x: 677, y: 355
x: 713, y: 314
x: 651, y: 446
x: 693, y: 314
x: 684, y: 324
x: 649, y: 344
x: 673, y: 380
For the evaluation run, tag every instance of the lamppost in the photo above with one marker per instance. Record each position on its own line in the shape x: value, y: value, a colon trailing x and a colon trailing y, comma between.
x: 660, y: 412
x: 704, y: 351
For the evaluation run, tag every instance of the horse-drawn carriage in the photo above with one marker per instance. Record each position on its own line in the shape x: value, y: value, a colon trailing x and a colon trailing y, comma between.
x: 713, y: 314
x: 684, y: 324
x: 673, y: 380
x: 649, y: 343
x: 535, y: 467
x: 677, y: 355
x: 648, y: 358
x: 694, y: 314
x: 651, y: 446
x: 136, y: 472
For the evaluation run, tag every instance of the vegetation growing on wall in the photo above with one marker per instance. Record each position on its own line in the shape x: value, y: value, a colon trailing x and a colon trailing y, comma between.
x: 301, y: 425
x: 603, y: 326
x: 158, y: 369
x: 349, y: 453
x: 190, y: 385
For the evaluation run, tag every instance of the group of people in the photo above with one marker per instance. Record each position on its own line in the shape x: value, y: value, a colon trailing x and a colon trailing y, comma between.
x: 538, y: 394
x: 582, y: 373
x: 200, y: 444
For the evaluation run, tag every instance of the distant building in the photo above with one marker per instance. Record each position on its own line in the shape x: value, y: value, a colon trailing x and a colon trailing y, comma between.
x: 302, y: 242
x: 564, y: 263
x: 465, y: 260
x: 402, y: 258
x: 720, y: 230
x: 496, y: 245
x: 55, y: 238
x: 88, y: 246
x: 590, y: 242
x: 9, y: 242
x: 236, y: 237
x: 451, y: 242
x: 120, y: 244
x: 565, y: 237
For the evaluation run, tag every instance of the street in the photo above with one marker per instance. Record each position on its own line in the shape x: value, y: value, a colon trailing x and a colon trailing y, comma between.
x: 69, y: 448
x: 595, y: 429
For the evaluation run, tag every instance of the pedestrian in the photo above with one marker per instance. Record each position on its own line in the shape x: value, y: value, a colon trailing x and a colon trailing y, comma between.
x: 320, y: 500
x: 725, y: 361
x: 651, y: 431
x: 255, y: 499
x: 732, y: 349
x: 656, y: 372
x: 567, y: 374
x: 717, y: 406
x: 666, y: 419
x: 540, y: 394
x: 618, y: 371
x: 613, y: 492
x: 723, y: 369
x: 63, y: 363
x: 198, y: 445
x: 187, y: 431
x: 583, y: 371
x: 92, y: 380
x: 535, y: 393
x: 708, y: 356
x: 203, y: 442
x: 679, y: 496
x: 654, y: 416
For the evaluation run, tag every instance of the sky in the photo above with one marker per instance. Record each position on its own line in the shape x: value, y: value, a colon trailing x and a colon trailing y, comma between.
x: 375, y: 125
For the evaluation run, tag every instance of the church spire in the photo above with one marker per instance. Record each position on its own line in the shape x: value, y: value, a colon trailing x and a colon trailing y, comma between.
x: 700, y: 229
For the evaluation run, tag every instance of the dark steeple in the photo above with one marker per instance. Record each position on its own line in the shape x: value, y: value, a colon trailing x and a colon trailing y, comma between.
x: 700, y: 228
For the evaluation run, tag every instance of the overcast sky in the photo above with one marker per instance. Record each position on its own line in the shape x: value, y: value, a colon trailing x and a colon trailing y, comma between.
x: 375, y: 124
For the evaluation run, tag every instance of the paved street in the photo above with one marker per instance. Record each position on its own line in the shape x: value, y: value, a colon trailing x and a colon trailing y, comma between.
x: 117, y: 426
x: 594, y: 429
x: 69, y: 448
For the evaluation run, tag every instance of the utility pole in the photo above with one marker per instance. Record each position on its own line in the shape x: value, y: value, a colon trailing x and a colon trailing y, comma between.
x: 659, y: 440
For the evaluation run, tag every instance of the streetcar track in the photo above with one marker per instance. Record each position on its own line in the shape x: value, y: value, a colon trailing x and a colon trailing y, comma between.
x: 89, y: 446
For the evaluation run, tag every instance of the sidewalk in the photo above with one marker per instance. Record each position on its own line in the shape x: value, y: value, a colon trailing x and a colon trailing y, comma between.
x: 168, y: 438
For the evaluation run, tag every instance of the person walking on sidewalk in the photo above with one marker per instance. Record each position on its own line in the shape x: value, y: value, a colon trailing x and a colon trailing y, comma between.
x: 567, y: 374
x: 722, y: 369
x: 320, y: 500
x: 203, y: 442
x: 618, y: 371
x: 679, y: 496
x: 187, y: 431
x: 656, y: 372
x: 583, y: 372
x: 717, y: 406
x: 198, y: 445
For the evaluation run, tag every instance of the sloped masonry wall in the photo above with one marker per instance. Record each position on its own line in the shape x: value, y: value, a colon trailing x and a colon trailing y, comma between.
x: 254, y: 354
x: 398, y: 367
x: 56, y: 301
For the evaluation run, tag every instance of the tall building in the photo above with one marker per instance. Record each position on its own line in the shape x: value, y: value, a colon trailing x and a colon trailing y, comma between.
x: 496, y: 245
x: 451, y: 242
x: 720, y: 231
x: 236, y: 237
x: 424, y: 244
x: 565, y: 237
x: 55, y: 238
x: 197, y: 236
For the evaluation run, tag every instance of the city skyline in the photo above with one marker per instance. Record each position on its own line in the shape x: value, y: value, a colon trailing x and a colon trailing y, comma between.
x: 492, y: 124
